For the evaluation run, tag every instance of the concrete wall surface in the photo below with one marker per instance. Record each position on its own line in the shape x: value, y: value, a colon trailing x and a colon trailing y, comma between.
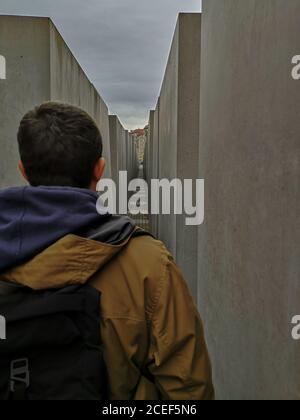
x: 155, y: 156
x: 132, y: 163
x: 70, y: 84
x: 148, y: 147
x: 40, y: 67
x: 249, y: 246
x: 123, y: 152
x: 151, y: 162
x: 175, y: 137
x: 24, y: 42
x: 114, y: 160
x: 118, y: 145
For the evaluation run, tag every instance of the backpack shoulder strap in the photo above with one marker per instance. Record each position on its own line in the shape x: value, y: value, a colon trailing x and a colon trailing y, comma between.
x: 8, y: 288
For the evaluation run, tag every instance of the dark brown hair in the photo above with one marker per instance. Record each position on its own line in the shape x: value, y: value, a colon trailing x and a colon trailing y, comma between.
x: 59, y: 145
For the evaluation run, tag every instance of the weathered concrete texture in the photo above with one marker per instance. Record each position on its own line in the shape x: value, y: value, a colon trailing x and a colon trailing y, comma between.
x: 24, y: 42
x: 40, y: 67
x: 123, y: 153
x: 117, y: 135
x: 249, y: 256
x: 152, y: 160
x: 132, y: 163
x: 70, y: 84
x: 114, y: 125
x: 148, y: 145
x: 155, y: 155
x: 175, y: 137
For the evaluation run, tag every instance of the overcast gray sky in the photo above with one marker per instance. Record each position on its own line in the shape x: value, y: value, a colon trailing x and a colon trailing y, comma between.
x: 122, y: 45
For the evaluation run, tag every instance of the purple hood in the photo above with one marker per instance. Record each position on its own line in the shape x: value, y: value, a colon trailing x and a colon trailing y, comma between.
x: 32, y: 219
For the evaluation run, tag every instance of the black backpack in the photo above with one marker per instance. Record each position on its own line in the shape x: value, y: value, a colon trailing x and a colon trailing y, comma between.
x: 52, y: 349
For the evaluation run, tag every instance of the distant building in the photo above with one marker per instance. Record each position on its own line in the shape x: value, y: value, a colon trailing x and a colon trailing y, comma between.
x: 139, y: 138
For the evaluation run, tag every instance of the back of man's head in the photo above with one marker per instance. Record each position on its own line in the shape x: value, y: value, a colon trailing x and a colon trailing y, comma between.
x: 59, y: 146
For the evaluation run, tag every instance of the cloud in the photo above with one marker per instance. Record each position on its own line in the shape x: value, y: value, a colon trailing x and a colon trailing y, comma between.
x: 122, y: 45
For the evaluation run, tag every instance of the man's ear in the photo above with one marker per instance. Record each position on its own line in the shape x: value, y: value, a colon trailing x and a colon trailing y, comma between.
x: 99, y: 169
x: 22, y: 170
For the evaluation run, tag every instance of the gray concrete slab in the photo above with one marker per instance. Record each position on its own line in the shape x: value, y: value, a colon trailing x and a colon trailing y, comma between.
x: 40, y: 67
x: 132, y: 163
x: 249, y: 255
x: 121, y: 155
x: 24, y: 42
x: 151, y: 161
x: 175, y: 127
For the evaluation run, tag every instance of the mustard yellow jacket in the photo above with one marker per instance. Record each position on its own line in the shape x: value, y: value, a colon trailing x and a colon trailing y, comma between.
x: 153, y: 338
